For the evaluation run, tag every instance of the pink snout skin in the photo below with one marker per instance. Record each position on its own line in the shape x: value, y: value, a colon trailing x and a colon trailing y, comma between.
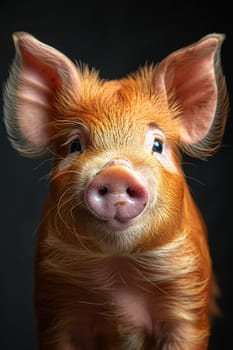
x: 117, y: 194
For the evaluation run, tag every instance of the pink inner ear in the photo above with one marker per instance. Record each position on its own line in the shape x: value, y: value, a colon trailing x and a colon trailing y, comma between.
x: 196, y: 92
x: 189, y: 75
x: 35, y: 94
x: 42, y: 71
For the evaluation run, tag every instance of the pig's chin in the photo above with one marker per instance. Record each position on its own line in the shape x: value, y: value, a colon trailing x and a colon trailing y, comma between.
x: 117, y: 232
x: 116, y: 235
x: 116, y: 221
x: 120, y: 225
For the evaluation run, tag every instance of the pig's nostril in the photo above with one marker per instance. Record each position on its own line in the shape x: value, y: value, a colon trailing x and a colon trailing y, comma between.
x: 103, y: 190
x: 131, y: 192
x: 117, y: 193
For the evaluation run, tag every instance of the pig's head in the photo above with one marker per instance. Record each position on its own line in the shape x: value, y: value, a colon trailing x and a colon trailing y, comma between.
x: 116, y: 180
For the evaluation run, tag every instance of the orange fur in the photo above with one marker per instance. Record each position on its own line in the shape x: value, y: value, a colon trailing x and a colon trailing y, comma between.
x: 151, y: 285
x: 170, y: 259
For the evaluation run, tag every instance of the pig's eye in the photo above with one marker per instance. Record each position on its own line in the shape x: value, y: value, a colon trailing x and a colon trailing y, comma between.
x: 157, y: 146
x: 75, y: 146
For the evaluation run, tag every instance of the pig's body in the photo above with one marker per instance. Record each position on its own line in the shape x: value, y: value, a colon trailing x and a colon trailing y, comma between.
x: 153, y: 295
x: 122, y: 258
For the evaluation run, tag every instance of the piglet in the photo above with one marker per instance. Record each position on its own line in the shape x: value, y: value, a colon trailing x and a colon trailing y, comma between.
x: 122, y: 259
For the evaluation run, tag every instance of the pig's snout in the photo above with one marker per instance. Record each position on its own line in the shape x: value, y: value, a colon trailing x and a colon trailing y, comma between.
x: 117, y: 193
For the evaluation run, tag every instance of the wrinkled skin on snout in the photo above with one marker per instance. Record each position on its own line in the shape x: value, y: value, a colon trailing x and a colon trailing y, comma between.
x: 122, y: 259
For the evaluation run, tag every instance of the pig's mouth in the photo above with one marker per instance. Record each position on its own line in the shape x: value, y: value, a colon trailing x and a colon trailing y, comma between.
x: 119, y: 211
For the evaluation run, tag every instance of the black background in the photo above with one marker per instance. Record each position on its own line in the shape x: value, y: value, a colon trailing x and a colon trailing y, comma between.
x: 116, y: 38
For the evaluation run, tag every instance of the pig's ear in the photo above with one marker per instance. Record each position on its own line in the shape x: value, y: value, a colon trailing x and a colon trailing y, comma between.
x: 38, y: 74
x: 191, y: 78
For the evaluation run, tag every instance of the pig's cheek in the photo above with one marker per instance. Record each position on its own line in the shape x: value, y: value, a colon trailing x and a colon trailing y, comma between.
x: 171, y: 195
x: 66, y: 163
x: 152, y: 180
x: 167, y: 161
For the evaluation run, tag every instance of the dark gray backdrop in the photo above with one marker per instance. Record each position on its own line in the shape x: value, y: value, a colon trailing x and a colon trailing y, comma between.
x: 116, y: 38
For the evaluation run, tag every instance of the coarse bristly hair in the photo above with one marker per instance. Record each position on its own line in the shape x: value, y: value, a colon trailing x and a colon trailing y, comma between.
x: 107, y: 279
x: 135, y: 90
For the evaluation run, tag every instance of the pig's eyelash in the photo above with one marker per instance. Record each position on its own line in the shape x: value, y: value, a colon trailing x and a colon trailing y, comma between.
x: 70, y: 140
